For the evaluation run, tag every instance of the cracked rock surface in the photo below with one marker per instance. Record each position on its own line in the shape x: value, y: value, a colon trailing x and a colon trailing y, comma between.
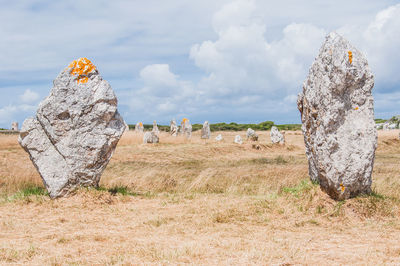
x: 75, y: 131
x: 337, y: 113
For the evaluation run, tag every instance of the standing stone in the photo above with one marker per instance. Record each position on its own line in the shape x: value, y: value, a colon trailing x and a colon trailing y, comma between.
x: 205, y: 131
x: 277, y: 136
x: 155, y: 128
x: 14, y: 126
x: 186, y: 128
x: 251, y: 134
x: 219, y: 137
x: 337, y: 112
x: 173, y: 128
x: 238, y: 139
x: 75, y: 131
x: 150, y: 137
x: 139, y: 127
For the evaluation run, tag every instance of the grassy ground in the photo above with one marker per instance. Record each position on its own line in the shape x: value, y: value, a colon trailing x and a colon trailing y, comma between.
x: 202, y: 203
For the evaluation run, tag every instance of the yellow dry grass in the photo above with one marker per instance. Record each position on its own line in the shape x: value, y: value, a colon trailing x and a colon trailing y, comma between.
x: 201, y: 202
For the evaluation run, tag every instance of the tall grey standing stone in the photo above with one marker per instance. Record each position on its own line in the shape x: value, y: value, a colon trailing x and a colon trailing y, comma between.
x: 155, y: 128
x: 150, y: 137
x: 14, y: 126
x: 205, y: 131
x: 277, y: 136
x: 251, y: 134
x: 75, y: 131
x: 337, y: 112
x: 173, y: 128
x: 139, y: 127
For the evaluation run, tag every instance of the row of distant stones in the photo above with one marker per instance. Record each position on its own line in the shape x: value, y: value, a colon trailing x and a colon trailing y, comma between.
x: 77, y: 127
x: 186, y: 130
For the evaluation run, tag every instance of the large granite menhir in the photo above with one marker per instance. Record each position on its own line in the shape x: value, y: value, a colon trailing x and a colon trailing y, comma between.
x: 75, y: 131
x: 337, y: 112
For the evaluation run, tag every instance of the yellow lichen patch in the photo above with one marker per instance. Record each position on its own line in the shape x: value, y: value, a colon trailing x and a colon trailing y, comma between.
x: 81, y: 67
x: 140, y: 124
x: 184, y: 120
x: 356, y: 108
x: 342, y: 187
x: 350, y: 57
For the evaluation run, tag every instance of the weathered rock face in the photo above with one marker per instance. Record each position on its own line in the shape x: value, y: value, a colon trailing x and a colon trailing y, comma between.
x: 337, y: 113
x: 139, y: 127
x: 150, y: 137
x: 205, y: 131
x: 186, y: 128
x: 219, y: 137
x: 238, y: 139
x: 75, y: 131
x: 173, y: 128
x: 155, y: 128
x: 251, y: 134
x: 277, y: 136
x: 14, y: 126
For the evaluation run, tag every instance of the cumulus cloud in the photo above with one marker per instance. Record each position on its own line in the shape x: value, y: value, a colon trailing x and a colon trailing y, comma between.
x: 29, y: 96
x: 216, y: 60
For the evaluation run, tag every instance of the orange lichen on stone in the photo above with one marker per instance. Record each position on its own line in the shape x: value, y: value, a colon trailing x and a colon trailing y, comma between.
x: 350, y: 57
x: 356, y: 108
x: 342, y: 187
x: 81, y: 67
x: 184, y: 120
x: 141, y: 124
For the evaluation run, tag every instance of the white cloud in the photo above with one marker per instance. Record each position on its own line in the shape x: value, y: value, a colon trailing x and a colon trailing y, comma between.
x: 29, y: 96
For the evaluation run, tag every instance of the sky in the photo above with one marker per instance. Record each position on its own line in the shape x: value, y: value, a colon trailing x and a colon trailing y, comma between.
x: 223, y: 61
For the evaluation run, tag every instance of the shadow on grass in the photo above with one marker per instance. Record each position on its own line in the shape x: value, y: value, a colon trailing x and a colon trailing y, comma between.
x: 121, y: 190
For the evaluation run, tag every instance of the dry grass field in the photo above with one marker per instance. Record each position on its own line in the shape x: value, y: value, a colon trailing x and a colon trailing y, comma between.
x: 197, y: 202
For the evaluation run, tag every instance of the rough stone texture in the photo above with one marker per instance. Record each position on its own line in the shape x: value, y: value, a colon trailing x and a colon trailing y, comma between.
x: 337, y: 113
x: 150, y: 137
x: 219, y: 137
x: 14, y: 126
x: 238, y: 139
x: 139, y: 127
x: 205, y: 131
x: 186, y: 128
x: 173, y: 128
x: 251, y: 134
x: 155, y: 128
x: 277, y: 136
x: 75, y: 131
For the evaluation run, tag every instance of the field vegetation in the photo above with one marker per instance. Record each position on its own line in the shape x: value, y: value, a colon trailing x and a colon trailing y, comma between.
x: 200, y: 202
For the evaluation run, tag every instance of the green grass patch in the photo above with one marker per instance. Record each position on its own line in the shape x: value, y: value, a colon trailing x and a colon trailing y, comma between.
x: 304, y: 186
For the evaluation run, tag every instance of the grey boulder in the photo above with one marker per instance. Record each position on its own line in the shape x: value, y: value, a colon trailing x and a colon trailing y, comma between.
x: 75, y: 131
x: 337, y: 113
x: 150, y: 137
x: 277, y: 136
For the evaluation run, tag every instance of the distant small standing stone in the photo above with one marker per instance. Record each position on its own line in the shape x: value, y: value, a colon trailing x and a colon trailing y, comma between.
x: 186, y: 128
x: 277, y: 136
x: 155, y: 128
x: 251, y: 134
x: 238, y: 139
x: 205, y: 131
x: 139, y: 127
x: 14, y: 126
x: 173, y: 128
